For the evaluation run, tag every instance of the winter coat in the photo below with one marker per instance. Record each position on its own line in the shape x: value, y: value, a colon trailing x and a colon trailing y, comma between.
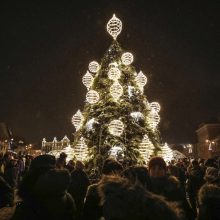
x: 48, y: 198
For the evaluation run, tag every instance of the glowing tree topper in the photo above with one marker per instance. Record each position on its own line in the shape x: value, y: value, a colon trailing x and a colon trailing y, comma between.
x: 114, y: 73
x: 77, y: 120
x: 116, y: 128
x: 116, y: 90
x: 114, y: 27
x: 94, y: 67
x: 92, y: 97
x: 127, y: 58
x: 87, y: 80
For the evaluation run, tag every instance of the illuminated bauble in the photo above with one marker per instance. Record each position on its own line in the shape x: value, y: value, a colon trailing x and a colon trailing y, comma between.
x: 116, y: 90
x: 92, y: 97
x: 116, y: 128
x: 114, y: 64
x: 77, y: 120
x: 81, y: 150
x: 87, y: 80
x: 114, y: 73
x: 137, y: 116
x: 94, y: 67
x: 153, y: 119
x: 114, y: 27
x: 141, y: 80
x: 146, y: 148
x: 155, y: 106
x: 166, y: 153
x: 127, y: 58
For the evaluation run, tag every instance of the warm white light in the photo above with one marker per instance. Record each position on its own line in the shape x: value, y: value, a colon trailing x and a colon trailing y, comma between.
x: 137, y: 115
x: 116, y: 90
x: 127, y: 58
x: 114, y: 64
x: 65, y: 141
x: 114, y: 73
x: 77, y: 120
x: 94, y: 67
x: 87, y: 80
x: 81, y: 150
x: 153, y: 119
x: 89, y: 124
x: 114, y: 27
x: 115, y: 150
x: 141, y: 80
x: 146, y: 148
x: 92, y: 97
x: 116, y: 128
x: 155, y: 106
x: 166, y: 153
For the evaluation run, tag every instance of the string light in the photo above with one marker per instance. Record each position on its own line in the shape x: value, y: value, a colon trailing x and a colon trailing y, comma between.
x: 137, y: 115
x: 114, y: 27
x: 155, y: 106
x: 153, y: 119
x: 146, y: 148
x: 92, y: 97
x: 114, y: 73
x: 81, y: 150
x: 94, y: 67
x: 87, y: 80
x: 116, y: 128
x: 77, y: 120
x: 166, y: 153
x: 127, y: 58
x: 141, y: 80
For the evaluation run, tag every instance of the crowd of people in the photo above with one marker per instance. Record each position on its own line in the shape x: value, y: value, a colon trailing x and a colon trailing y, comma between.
x: 50, y: 188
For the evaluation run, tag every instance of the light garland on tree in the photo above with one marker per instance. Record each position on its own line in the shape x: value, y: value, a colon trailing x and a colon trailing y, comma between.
x: 166, y: 153
x: 146, y: 148
x: 127, y: 58
x: 155, y: 106
x: 114, y: 73
x: 77, y: 120
x: 81, y: 150
x: 116, y: 128
x: 87, y: 80
x: 114, y: 27
x: 94, y: 67
x: 92, y: 97
x: 141, y: 80
x: 116, y: 90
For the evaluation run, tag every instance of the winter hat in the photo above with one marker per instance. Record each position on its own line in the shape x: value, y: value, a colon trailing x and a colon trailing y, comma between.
x: 43, y: 161
x: 157, y: 161
x: 211, y: 174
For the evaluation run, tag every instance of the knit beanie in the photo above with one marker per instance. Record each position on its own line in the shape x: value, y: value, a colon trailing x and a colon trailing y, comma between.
x: 157, y: 161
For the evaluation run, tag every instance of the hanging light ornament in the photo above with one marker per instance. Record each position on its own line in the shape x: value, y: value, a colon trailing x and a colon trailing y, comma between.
x: 141, y: 80
x: 166, y: 153
x: 146, y: 148
x: 114, y: 73
x: 114, y: 26
x: 114, y: 64
x: 155, y: 106
x: 87, y: 80
x: 92, y: 97
x: 116, y: 90
x: 127, y: 58
x: 94, y: 67
x: 153, y: 119
x: 116, y: 128
x: 77, y: 120
x: 81, y: 150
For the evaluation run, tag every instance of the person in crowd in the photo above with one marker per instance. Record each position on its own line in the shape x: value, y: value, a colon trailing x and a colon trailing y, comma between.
x: 209, y: 202
x: 123, y: 200
x: 212, y: 176
x: 61, y: 161
x: 168, y: 186
x: 70, y: 165
x: 78, y: 186
x: 195, y: 180
x: 6, y: 194
x: 138, y: 175
x: 92, y: 209
x: 44, y: 192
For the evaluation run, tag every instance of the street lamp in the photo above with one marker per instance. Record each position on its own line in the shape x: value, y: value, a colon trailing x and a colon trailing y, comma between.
x: 210, y: 144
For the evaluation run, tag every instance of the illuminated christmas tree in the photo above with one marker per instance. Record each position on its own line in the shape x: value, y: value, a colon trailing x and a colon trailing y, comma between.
x: 117, y: 120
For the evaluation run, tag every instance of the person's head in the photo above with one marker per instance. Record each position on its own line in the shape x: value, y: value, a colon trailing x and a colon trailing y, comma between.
x: 79, y: 165
x: 43, y: 162
x: 111, y: 166
x: 195, y: 163
x: 211, y: 175
x: 157, y: 167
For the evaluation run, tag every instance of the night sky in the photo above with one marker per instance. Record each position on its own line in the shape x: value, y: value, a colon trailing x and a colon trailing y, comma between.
x: 45, y: 50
